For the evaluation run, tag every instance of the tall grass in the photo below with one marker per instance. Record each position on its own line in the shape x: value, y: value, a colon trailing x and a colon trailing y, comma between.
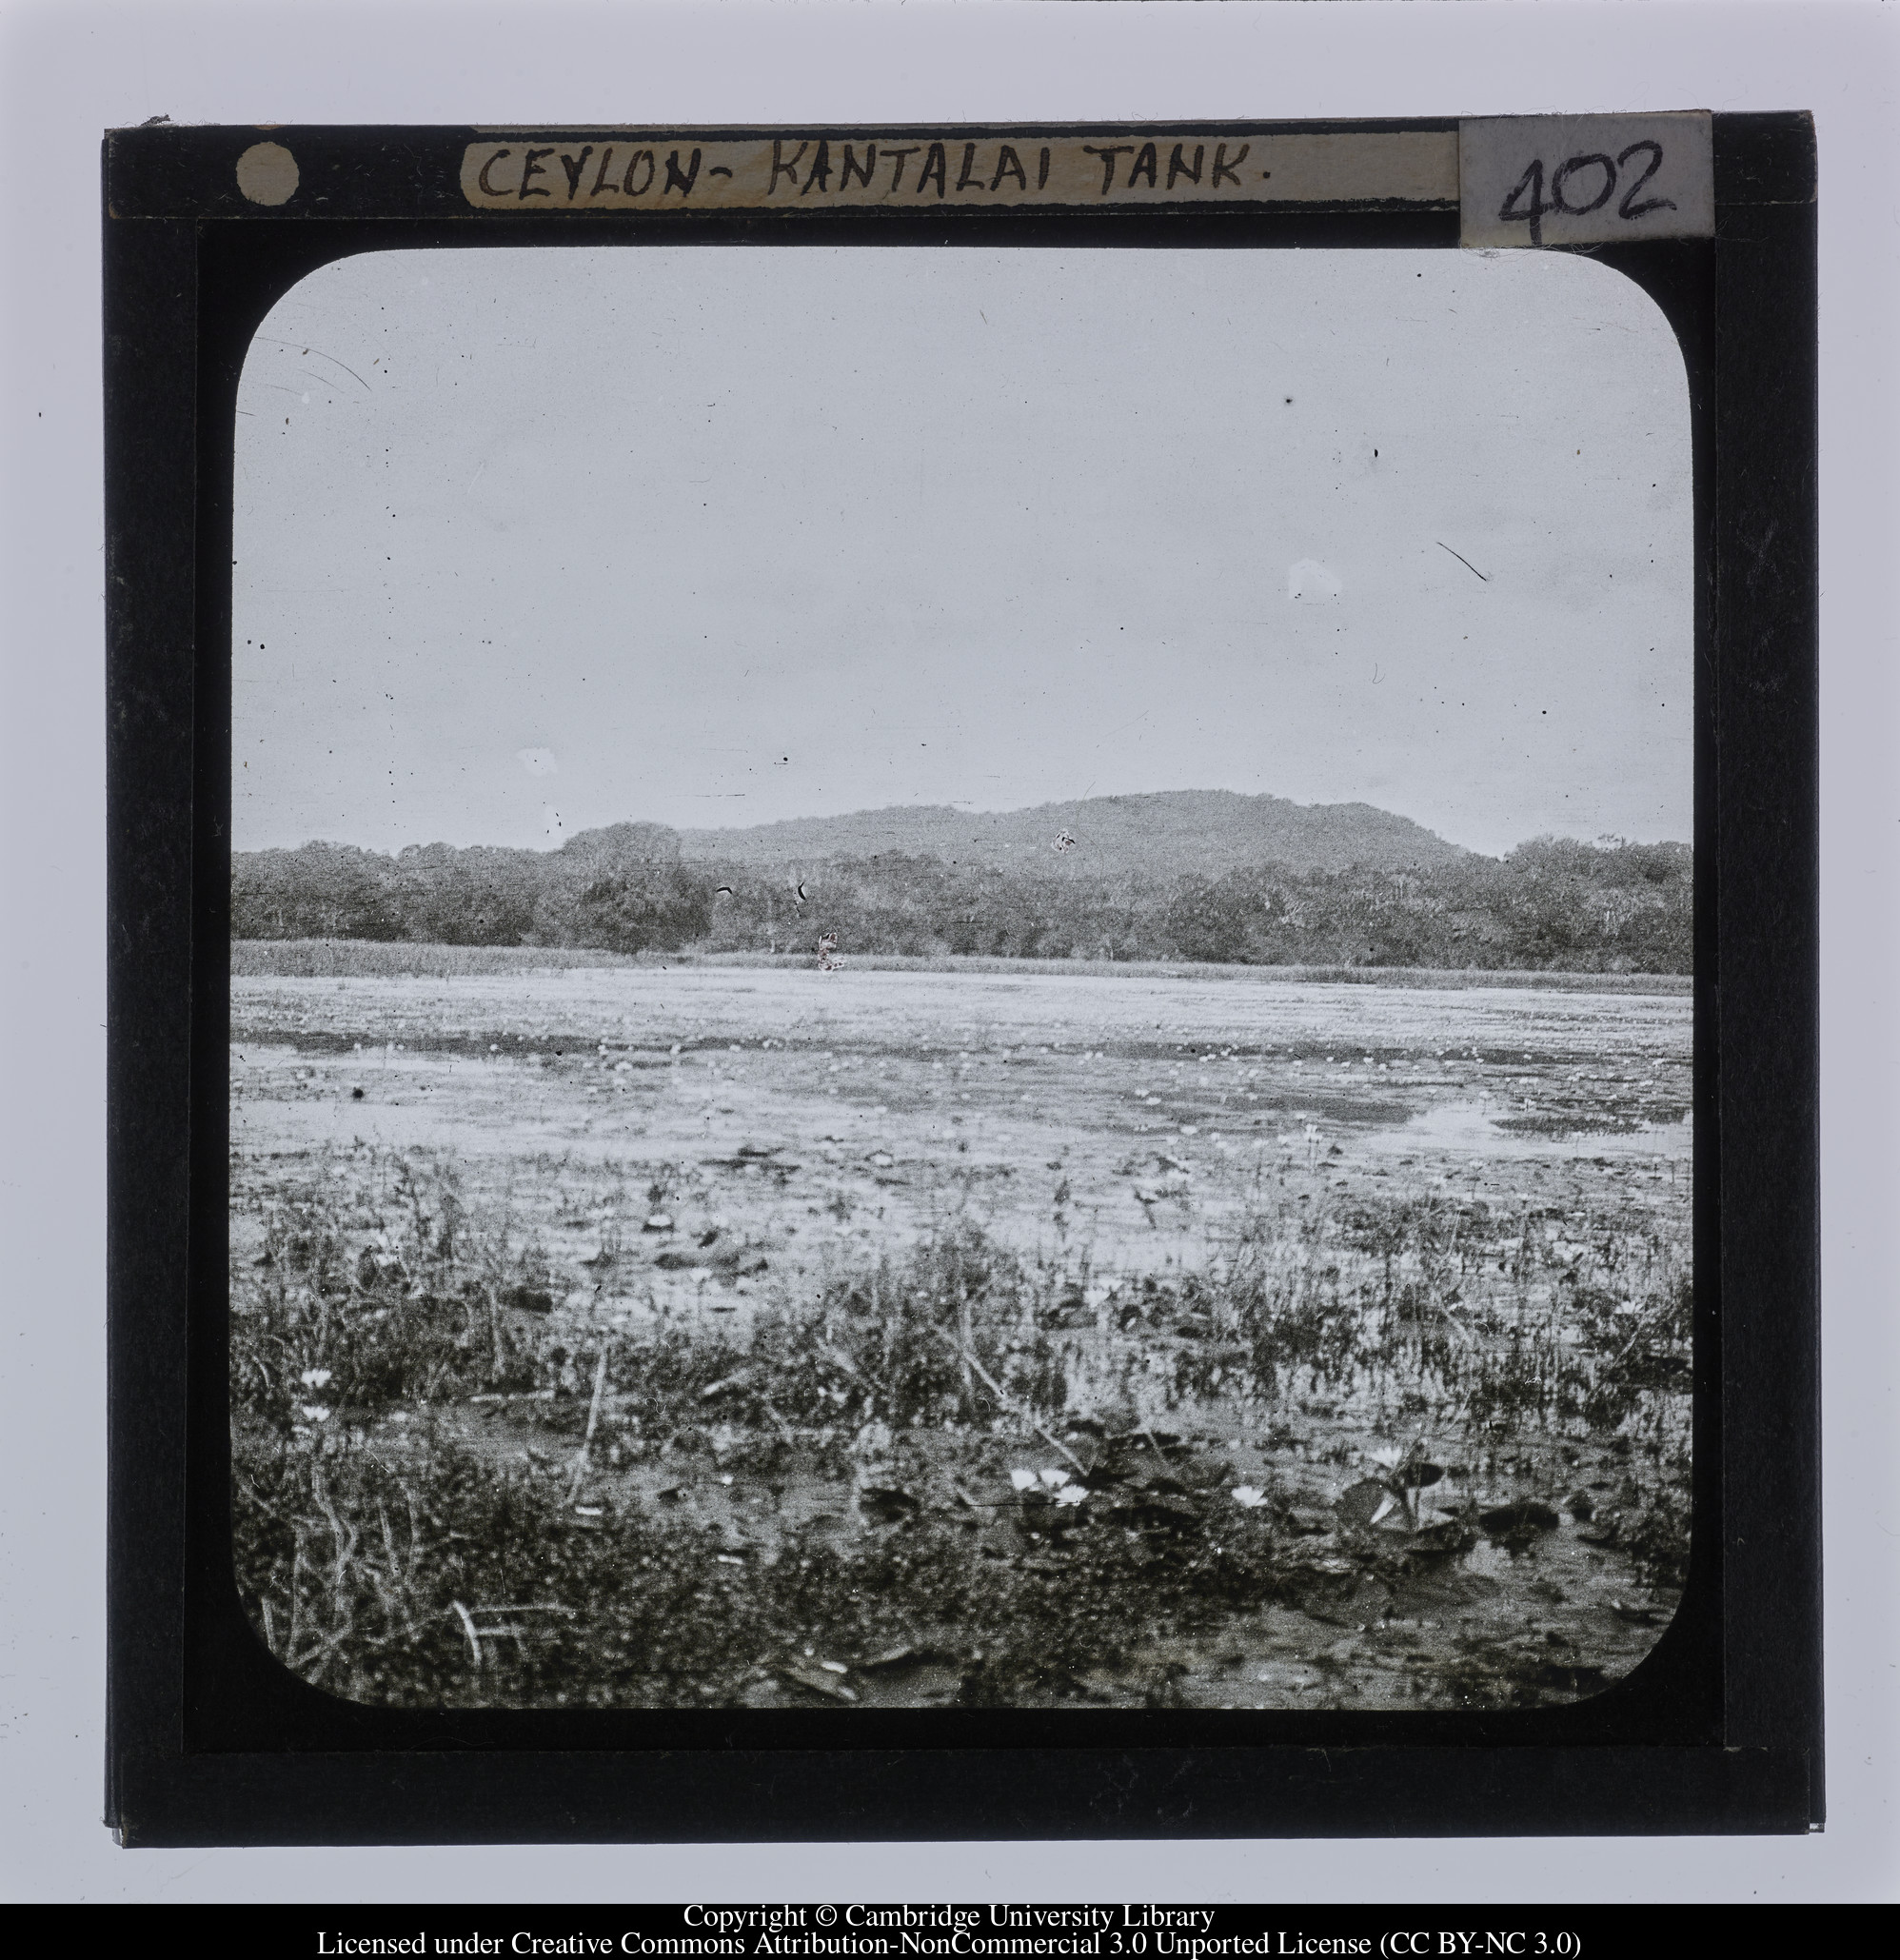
x: 424, y: 1306
x: 449, y: 1581
x: 401, y: 960
x: 384, y: 1559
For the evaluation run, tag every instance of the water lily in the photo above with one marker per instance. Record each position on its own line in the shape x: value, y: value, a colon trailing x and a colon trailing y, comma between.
x: 1248, y: 1497
x: 1023, y: 1479
x: 315, y: 1377
x: 315, y: 1412
x: 1054, y: 1478
x: 1072, y: 1493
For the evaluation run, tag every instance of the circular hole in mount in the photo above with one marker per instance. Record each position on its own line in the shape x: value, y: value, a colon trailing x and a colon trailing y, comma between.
x: 266, y: 173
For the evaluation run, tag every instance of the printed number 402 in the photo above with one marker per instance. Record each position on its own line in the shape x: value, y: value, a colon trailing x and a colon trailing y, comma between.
x: 1595, y: 173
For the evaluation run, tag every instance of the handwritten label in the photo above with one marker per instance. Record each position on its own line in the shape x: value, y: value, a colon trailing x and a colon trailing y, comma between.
x: 914, y: 170
x: 1585, y: 180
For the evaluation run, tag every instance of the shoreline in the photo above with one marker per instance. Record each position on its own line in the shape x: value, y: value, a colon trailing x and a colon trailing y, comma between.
x: 398, y: 959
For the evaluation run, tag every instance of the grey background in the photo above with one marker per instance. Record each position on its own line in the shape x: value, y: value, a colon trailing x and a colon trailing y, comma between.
x: 534, y: 541
x: 68, y: 71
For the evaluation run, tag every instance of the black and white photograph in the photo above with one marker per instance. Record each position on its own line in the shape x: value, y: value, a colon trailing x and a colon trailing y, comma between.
x: 961, y: 977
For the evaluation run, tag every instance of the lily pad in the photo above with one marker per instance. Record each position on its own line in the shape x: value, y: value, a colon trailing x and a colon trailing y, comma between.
x: 819, y: 1679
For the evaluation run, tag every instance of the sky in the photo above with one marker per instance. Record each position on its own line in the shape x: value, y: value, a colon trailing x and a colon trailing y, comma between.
x: 530, y: 541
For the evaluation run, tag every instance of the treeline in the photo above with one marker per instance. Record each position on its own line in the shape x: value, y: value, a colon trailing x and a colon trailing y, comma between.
x: 1553, y: 904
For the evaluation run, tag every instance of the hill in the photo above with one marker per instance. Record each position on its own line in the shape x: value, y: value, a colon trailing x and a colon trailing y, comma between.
x: 1170, y: 834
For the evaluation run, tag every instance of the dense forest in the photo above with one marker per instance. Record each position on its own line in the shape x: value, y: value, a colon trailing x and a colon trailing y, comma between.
x: 1553, y: 903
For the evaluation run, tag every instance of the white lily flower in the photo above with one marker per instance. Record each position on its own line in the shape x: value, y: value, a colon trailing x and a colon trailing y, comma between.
x: 1248, y: 1497
x: 1054, y: 1478
x: 1023, y: 1479
x: 1072, y: 1493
